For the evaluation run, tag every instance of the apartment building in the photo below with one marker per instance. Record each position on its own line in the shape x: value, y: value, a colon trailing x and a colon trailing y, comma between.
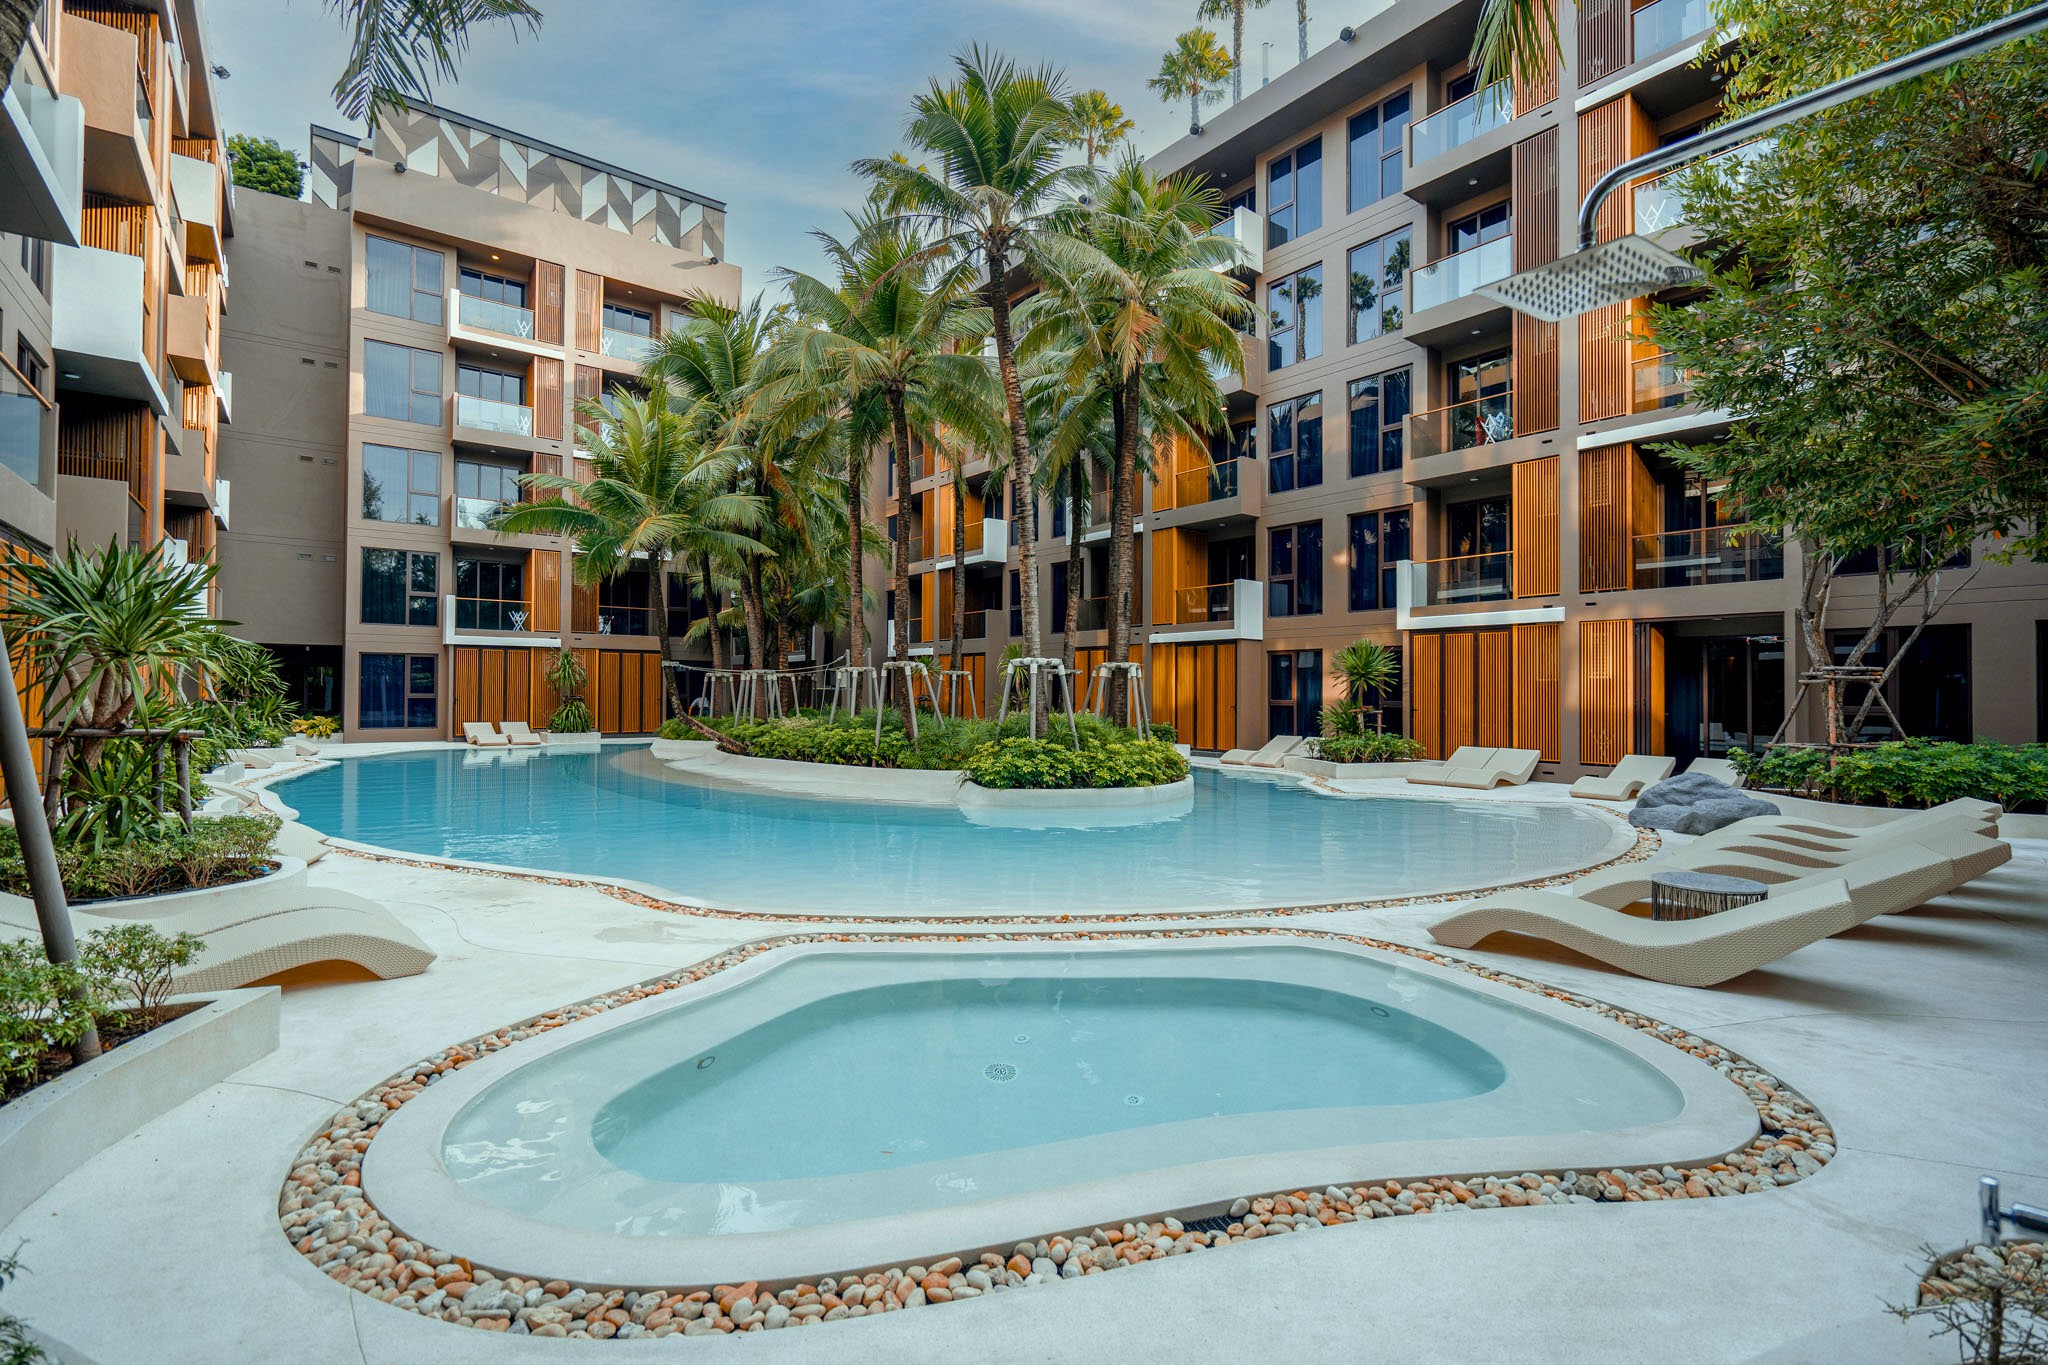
x: 1412, y: 463
x: 424, y: 328
x: 116, y: 206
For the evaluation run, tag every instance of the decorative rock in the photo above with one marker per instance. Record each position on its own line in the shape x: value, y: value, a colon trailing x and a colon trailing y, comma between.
x: 1693, y: 803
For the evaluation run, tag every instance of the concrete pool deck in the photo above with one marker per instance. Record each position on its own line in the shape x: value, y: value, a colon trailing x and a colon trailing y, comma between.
x: 1920, y: 1036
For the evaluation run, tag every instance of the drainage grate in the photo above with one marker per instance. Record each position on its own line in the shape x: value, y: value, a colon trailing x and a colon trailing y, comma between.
x: 1000, y: 1071
x: 1134, y: 1099
x: 1219, y: 1222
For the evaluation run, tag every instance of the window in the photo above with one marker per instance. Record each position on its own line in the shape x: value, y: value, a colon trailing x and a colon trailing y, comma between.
x: 400, y: 588
x: 1247, y: 199
x: 401, y: 383
x: 401, y: 485
x: 1059, y: 597
x: 32, y: 367
x: 397, y: 692
x: 1379, y: 541
x: 1294, y: 318
x: 403, y: 281
x: 1458, y: 87
x: 1378, y: 403
x: 1016, y: 605
x: 495, y: 483
x: 1929, y: 691
x: 1294, y: 194
x: 1490, y: 224
x: 1295, y: 438
x: 1376, y: 151
x: 496, y: 386
x: 1294, y: 692
x: 618, y: 318
x: 1294, y: 571
x: 480, y: 284
x: 1378, y: 271
x: 490, y: 594
x: 35, y: 254
x: 622, y: 606
x: 1908, y: 559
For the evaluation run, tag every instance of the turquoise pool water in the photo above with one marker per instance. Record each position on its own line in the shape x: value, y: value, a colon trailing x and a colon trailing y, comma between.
x: 1247, y: 842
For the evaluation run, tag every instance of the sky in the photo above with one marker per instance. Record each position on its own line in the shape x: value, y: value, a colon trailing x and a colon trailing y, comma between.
x: 760, y: 103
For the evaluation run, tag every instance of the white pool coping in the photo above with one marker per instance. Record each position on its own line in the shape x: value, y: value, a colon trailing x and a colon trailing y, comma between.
x: 404, y: 1175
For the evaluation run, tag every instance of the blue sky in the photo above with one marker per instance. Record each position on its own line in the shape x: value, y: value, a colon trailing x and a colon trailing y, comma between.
x: 761, y: 103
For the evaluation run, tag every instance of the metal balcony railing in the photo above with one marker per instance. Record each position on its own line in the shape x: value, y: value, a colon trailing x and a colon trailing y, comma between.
x: 1660, y: 206
x: 974, y: 626
x: 492, y: 613
x: 1461, y: 426
x: 1468, y: 578
x: 1457, y: 275
x: 1454, y: 125
x: 1709, y: 554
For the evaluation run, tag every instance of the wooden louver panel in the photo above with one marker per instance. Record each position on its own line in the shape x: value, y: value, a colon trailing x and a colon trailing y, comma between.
x: 1536, y: 699
x: 1542, y: 89
x: 547, y: 303
x: 1426, y: 692
x: 1603, y: 39
x: 1606, y: 700
x: 589, y: 306
x: 1535, y: 530
x: 1604, y: 518
x: 1493, y: 696
x: 1536, y: 237
x: 547, y: 398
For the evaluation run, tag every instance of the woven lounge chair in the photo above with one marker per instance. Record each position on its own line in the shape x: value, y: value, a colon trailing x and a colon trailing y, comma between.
x: 483, y: 735
x: 1886, y: 883
x: 1968, y: 856
x: 1694, y: 952
x: 1625, y: 779
x: 1984, y: 813
x: 1768, y: 837
x: 518, y: 732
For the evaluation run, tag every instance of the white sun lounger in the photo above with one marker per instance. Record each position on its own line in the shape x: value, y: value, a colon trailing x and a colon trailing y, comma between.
x: 1884, y: 883
x: 1772, y: 835
x: 1273, y: 750
x: 1719, y: 769
x: 1984, y: 813
x: 1694, y: 952
x: 1500, y: 767
x: 1467, y: 756
x: 520, y: 733
x: 1625, y: 779
x: 483, y: 734
x: 252, y: 758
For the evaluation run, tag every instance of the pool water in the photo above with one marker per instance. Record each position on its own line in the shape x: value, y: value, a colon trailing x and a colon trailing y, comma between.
x: 1248, y: 841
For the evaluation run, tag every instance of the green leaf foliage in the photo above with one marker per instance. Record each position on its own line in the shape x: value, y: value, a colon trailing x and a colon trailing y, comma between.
x: 1913, y: 773
x: 1367, y: 746
x: 262, y: 163
x: 213, y: 852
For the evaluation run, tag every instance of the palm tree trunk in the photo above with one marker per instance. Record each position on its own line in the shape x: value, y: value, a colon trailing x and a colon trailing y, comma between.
x: 1237, y: 52
x: 670, y: 689
x: 711, y: 628
x: 1123, y: 485
x: 959, y: 559
x: 1194, y: 107
x: 1301, y: 26
x: 1023, y: 464
x: 757, y: 625
x: 856, y: 619
x: 1075, y: 596
x: 899, y: 421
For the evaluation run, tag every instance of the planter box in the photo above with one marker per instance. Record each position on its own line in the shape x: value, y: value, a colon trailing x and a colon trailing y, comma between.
x: 1086, y: 807
x: 581, y: 737
x: 674, y: 750
x: 58, y: 1127
x: 1322, y: 767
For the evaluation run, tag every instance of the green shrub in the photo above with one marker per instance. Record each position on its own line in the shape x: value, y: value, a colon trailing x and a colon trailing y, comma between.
x: 1165, y: 733
x: 43, y: 1005
x: 317, y: 727
x: 1913, y: 773
x: 572, y: 717
x: 135, y: 962
x: 1369, y: 747
x: 1048, y: 765
x: 15, y: 1347
x: 214, y: 852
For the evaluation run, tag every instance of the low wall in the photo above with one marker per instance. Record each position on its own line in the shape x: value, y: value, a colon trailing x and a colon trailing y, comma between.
x: 1322, y: 767
x: 1094, y: 807
x: 59, y: 1126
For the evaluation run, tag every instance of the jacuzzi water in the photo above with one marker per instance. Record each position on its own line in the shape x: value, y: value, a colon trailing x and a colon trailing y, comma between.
x: 1248, y: 841
x: 849, y: 1085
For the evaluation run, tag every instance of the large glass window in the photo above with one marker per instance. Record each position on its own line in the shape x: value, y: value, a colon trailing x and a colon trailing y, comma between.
x: 490, y: 594
x: 1375, y: 141
x: 1295, y: 440
x: 1294, y: 318
x: 397, y: 692
x: 619, y: 318
x: 495, y: 483
x: 1378, y: 271
x: 495, y: 385
x: 1294, y: 570
x: 401, y: 383
x: 401, y: 485
x: 1378, y: 403
x: 622, y: 607
x: 1929, y: 691
x: 1294, y: 193
x: 403, y: 281
x: 481, y: 284
x: 1294, y: 692
x: 1379, y: 541
x: 1489, y: 224
x: 400, y: 588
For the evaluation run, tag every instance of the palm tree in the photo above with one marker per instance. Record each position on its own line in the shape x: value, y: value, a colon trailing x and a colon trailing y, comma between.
x: 1096, y: 124
x: 1233, y: 10
x: 1369, y: 669
x: 1148, y: 312
x: 1193, y: 67
x: 998, y: 200
x: 1515, y: 39
x: 398, y: 47
x: 894, y: 330
x: 656, y: 494
x: 1072, y: 425
x: 1301, y: 28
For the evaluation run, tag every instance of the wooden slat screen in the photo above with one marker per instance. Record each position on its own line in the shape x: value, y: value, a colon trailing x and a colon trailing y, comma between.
x: 547, y: 303
x: 1651, y: 733
x: 1536, y: 238
x: 1604, y: 518
x: 1606, y: 704
x: 589, y: 385
x: 1426, y: 692
x: 1535, y: 531
x: 1194, y: 689
x: 546, y: 579
x: 1534, y: 94
x: 583, y: 609
x: 1494, y: 689
x: 1460, y: 689
x: 547, y: 398
x: 1603, y: 40
x: 106, y: 438
x: 497, y: 685
x: 114, y: 225
x: 589, y: 309
x: 1609, y: 135
x: 1536, y: 698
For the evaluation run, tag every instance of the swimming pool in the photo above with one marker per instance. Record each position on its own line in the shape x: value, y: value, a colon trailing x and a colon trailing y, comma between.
x: 1247, y: 842
x: 826, y: 1096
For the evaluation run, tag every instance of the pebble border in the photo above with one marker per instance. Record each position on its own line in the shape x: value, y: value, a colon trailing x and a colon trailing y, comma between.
x: 325, y: 1215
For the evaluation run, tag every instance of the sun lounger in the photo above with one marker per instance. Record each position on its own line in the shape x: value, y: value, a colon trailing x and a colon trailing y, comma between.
x: 1884, y: 883
x: 1984, y: 813
x: 252, y: 758
x: 1719, y: 769
x: 1694, y: 952
x: 483, y: 734
x: 1772, y: 836
x: 1625, y: 779
x: 1465, y: 756
x: 1235, y: 757
x: 520, y: 733
x: 1498, y: 767
x: 1273, y: 750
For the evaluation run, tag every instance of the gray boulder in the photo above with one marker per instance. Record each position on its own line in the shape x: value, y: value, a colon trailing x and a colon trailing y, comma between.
x: 1693, y: 803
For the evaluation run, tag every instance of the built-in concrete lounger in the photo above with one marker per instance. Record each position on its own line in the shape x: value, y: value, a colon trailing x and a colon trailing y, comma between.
x: 1501, y: 767
x: 252, y: 758
x: 1464, y: 756
x: 520, y: 733
x: 1884, y: 883
x: 1694, y: 952
x: 1273, y: 750
x: 483, y: 734
x: 1625, y: 779
x: 256, y: 929
x: 1719, y: 769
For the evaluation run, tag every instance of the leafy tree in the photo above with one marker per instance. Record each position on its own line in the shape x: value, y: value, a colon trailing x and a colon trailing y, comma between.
x: 1882, y: 325
x: 262, y: 163
x: 398, y: 48
x: 1193, y: 67
x: 1233, y: 10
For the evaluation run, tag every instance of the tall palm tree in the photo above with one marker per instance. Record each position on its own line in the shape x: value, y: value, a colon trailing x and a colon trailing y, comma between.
x: 1096, y: 124
x: 1233, y: 10
x: 999, y: 198
x: 657, y: 494
x: 1193, y: 67
x: 397, y: 48
x: 1071, y: 424
x: 1515, y: 39
x: 1148, y: 313
x: 1301, y: 28
x: 895, y: 330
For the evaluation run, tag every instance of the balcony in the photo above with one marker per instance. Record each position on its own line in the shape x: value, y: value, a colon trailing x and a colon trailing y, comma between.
x: 1712, y: 554
x: 97, y: 324
x: 1466, y: 579
x: 42, y: 159
x: 988, y: 542
x: 974, y: 626
x: 1455, y: 276
x: 1210, y: 494
x: 486, y: 414
x: 28, y: 425
x: 1454, y: 125
x: 492, y: 621
x: 188, y: 337
x: 1240, y: 378
x: 1461, y: 426
x: 1660, y: 204
x: 1659, y: 382
x: 1215, y: 611
x: 488, y: 315
x: 1248, y: 230
x: 1667, y: 23
x: 627, y: 346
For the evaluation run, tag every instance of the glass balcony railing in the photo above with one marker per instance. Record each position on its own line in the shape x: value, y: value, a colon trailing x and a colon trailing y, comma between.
x: 491, y: 613
x: 1477, y: 114
x: 1659, y: 204
x: 1666, y: 24
x: 488, y: 315
x: 1710, y: 554
x: 1461, y: 426
x: 1660, y: 382
x: 1468, y: 578
x: 1453, y: 277
x: 486, y: 414
x: 24, y: 416
x: 1209, y: 604
x: 475, y: 514
x: 625, y: 345
x: 1206, y: 483
x: 1245, y: 228
x: 1094, y: 614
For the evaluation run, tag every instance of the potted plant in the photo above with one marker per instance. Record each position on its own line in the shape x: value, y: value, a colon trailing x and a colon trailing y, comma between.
x: 571, y: 721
